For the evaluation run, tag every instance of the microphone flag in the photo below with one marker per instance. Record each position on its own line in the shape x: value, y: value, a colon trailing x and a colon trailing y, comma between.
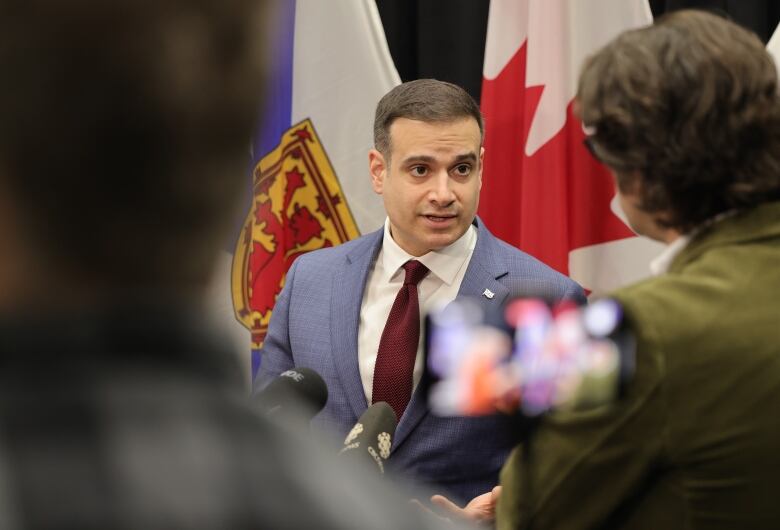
x: 371, y: 439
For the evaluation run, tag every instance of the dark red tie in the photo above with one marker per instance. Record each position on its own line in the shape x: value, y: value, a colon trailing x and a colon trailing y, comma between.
x: 398, y: 345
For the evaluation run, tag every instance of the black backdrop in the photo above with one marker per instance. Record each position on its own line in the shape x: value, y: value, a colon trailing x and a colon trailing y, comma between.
x: 445, y: 39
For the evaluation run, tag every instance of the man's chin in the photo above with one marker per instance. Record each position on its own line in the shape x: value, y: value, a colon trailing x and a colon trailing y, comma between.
x: 438, y: 241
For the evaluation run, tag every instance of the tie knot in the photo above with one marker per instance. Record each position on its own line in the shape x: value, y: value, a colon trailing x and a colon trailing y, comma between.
x: 415, y: 271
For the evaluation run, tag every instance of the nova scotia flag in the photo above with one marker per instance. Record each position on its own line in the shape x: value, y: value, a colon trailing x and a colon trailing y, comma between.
x: 310, y: 181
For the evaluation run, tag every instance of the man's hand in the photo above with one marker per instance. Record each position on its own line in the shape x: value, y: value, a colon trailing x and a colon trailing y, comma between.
x: 480, y: 509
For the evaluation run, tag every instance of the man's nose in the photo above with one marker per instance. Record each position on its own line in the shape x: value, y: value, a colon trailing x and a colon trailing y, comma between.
x: 441, y: 189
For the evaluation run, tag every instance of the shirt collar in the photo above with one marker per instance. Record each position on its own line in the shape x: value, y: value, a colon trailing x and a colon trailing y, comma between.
x: 661, y: 263
x: 444, y: 262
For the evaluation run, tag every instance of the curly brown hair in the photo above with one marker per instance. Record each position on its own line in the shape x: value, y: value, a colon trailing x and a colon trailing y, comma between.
x: 690, y: 107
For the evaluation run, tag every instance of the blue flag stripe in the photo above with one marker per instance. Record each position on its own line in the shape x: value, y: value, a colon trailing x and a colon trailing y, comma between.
x: 278, y: 105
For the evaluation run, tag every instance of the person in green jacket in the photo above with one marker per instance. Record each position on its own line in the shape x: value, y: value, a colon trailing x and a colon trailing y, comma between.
x: 686, y: 115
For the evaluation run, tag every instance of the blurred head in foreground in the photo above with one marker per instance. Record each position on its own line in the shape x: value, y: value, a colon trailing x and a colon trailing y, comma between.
x: 123, y: 141
x: 124, y: 134
x: 686, y: 115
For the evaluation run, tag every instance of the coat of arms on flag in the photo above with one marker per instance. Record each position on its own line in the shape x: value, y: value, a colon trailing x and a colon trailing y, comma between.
x: 297, y: 206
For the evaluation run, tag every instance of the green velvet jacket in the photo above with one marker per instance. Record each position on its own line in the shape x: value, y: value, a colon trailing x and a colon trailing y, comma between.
x: 695, y: 443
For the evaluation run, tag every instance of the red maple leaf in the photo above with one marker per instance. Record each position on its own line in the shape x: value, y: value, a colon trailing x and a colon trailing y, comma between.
x: 553, y: 201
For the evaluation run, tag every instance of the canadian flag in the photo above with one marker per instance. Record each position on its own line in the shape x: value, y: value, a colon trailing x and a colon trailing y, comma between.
x: 542, y: 191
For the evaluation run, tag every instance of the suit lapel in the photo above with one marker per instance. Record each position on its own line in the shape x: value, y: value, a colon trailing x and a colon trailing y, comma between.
x: 484, y: 270
x: 346, y: 298
x: 415, y: 411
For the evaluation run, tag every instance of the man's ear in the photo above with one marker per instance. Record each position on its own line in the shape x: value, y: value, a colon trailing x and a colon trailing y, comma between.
x: 378, y: 169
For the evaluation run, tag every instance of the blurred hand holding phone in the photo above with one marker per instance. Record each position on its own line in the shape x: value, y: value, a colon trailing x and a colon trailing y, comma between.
x: 526, y: 356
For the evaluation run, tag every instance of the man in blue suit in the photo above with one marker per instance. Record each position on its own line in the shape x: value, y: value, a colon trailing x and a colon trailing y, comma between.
x: 331, y: 315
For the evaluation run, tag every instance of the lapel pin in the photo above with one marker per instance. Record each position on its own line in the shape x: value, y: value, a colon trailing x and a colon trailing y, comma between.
x: 488, y: 294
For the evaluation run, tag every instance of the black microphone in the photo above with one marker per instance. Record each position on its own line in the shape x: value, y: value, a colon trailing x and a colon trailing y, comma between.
x: 371, y: 438
x: 301, y: 390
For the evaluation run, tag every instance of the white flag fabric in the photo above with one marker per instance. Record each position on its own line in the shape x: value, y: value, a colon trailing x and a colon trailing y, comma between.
x: 774, y: 46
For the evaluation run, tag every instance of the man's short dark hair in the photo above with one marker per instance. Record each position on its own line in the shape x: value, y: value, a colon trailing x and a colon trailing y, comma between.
x: 125, y: 128
x: 691, y: 105
x: 427, y: 100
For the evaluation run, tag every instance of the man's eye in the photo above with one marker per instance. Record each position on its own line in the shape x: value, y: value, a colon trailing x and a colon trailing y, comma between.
x: 419, y: 171
x: 462, y: 169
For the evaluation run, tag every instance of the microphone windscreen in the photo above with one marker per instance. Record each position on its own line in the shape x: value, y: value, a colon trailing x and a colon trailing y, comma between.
x: 371, y: 438
x: 298, y: 388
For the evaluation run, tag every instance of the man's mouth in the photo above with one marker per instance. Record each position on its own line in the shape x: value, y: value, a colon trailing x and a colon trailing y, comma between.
x: 440, y: 218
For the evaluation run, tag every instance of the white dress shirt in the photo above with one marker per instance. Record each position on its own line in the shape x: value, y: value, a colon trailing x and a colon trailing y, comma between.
x: 439, y: 287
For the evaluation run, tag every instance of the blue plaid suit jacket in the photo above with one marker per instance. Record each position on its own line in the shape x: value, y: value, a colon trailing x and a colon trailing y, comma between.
x: 315, y: 325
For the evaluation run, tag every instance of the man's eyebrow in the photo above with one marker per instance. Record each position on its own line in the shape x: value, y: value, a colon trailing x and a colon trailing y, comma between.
x: 411, y: 159
x: 466, y: 157
x: 426, y: 159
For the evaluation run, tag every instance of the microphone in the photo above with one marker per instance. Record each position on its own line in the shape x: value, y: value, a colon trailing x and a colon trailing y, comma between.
x: 299, y: 389
x: 371, y: 438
